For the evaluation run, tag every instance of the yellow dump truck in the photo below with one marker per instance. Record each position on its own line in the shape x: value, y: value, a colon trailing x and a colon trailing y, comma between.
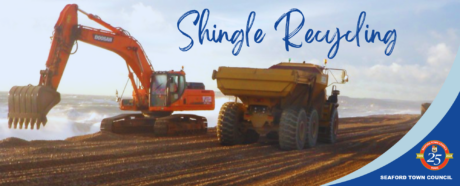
x: 287, y: 101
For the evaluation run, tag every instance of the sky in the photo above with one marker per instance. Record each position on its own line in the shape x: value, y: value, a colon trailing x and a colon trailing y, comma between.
x: 428, y: 36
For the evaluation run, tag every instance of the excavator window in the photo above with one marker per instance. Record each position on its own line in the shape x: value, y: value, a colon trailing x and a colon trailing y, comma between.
x: 159, y: 84
x: 166, y: 89
x: 173, y: 84
x: 158, y: 97
x: 176, y: 87
x: 182, y: 84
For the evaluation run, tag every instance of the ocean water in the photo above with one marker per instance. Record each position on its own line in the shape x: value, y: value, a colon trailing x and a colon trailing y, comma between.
x: 81, y: 114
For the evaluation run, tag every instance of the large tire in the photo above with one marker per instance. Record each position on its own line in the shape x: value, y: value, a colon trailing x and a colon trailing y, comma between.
x: 330, y: 136
x: 293, y: 125
x: 312, y: 129
x: 229, y: 124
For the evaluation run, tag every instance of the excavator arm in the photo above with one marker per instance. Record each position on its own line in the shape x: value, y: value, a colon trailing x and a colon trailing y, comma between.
x: 30, y: 104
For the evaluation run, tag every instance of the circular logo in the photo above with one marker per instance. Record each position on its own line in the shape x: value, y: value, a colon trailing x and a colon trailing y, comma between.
x: 434, y: 155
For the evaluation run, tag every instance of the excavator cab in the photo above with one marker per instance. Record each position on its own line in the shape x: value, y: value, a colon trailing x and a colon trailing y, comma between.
x: 167, y: 88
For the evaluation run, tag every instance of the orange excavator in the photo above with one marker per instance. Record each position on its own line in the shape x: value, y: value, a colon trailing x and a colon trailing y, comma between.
x: 157, y: 94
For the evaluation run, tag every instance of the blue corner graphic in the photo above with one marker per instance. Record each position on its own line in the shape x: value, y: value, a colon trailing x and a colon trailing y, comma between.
x: 442, y: 123
x: 407, y: 165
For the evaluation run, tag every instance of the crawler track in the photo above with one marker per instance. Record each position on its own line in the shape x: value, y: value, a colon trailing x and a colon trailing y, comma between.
x: 105, y: 158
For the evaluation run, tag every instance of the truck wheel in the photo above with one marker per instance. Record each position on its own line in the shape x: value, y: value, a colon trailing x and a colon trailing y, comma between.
x: 330, y: 135
x: 229, y: 126
x: 312, y: 129
x: 293, y: 125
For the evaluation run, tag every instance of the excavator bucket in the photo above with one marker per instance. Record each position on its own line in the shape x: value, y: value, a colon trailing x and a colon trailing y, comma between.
x: 30, y: 105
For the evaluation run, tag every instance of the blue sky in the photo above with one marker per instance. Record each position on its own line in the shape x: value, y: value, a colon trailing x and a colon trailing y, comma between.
x: 428, y: 37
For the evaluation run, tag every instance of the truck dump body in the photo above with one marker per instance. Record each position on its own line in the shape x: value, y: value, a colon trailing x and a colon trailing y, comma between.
x: 277, y: 82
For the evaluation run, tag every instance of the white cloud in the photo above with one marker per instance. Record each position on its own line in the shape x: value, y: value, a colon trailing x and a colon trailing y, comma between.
x: 440, y: 56
x: 438, y: 62
x: 395, y: 67
x: 424, y: 80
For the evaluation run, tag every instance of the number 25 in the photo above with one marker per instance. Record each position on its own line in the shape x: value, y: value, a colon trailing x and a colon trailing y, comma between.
x: 434, y: 155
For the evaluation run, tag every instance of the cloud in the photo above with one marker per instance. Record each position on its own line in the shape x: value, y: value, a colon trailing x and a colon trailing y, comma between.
x: 424, y: 79
x: 437, y: 66
x: 441, y: 56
